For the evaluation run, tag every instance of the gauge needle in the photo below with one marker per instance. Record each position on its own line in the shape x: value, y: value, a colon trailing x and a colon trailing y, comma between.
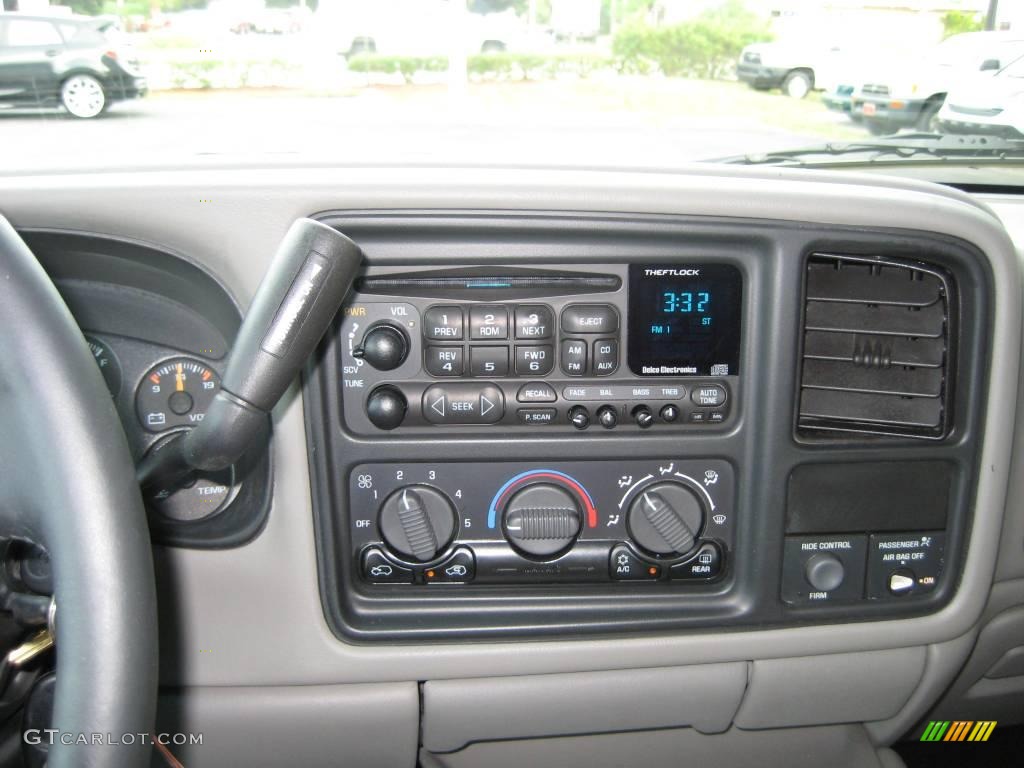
x: 179, y: 380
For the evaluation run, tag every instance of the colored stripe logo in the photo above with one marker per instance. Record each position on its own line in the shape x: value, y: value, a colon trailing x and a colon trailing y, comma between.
x: 958, y: 730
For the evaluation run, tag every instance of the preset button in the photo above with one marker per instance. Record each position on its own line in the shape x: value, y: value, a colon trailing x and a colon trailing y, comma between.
x: 534, y: 321
x: 535, y: 360
x: 444, y: 361
x: 443, y: 323
x: 488, y: 323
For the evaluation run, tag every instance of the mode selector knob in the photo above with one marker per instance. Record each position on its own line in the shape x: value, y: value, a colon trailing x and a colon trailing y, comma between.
x: 384, y: 346
x: 542, y: 520
x: 417, y: 522
x: 666, y: 518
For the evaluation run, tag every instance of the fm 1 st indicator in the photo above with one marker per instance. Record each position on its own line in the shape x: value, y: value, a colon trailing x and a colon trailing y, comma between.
x: 176, y: 393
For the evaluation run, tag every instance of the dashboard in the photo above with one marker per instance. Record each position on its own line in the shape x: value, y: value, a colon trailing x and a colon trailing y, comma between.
x: 742, y: 432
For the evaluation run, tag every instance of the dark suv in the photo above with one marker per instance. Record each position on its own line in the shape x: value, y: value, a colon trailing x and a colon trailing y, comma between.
x: 75, y: 62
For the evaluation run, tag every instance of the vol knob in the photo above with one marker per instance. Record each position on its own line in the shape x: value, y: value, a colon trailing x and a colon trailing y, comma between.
x: 666, y: 518
x: 384, y: 346
x: 542, y: 520
x: 417, y: 522
x: 385, y: 407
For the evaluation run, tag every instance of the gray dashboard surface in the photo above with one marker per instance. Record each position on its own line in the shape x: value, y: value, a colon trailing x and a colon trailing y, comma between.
x: 253, y: 616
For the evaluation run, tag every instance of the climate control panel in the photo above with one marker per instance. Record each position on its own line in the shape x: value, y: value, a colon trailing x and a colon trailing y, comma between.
x: 665, y: 522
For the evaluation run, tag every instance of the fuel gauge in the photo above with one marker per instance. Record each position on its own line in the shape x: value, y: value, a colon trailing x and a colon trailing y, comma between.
x: 176, y: 393
x: 107, y: 363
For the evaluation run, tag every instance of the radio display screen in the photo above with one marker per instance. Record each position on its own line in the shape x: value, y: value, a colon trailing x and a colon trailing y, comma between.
x: 684, y: 319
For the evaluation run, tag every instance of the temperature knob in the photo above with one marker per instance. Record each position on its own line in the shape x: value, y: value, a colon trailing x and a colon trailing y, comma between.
x: 417, y: 522
x: 666, y: 518
x: 542, y: 520
x: 384, y: 347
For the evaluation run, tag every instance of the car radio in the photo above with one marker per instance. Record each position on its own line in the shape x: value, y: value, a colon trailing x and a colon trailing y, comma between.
x: 631, y: 347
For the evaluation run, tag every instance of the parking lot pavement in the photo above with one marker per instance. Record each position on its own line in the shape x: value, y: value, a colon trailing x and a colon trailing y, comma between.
x: 403, y: 125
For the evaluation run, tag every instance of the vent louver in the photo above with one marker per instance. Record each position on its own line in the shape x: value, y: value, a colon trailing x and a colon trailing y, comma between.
x: 876, y: 347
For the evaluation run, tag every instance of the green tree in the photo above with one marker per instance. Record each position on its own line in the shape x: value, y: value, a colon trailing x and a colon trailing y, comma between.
x: 955, y: 22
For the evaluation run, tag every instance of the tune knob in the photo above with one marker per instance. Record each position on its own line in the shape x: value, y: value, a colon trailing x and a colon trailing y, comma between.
x: 386, y: 407
x: 542, y: 520
x: 417, y: 522
x: 666, y: 518
x: 384, y: 346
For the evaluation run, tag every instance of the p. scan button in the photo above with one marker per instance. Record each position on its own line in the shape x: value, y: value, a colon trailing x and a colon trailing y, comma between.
x: 463, y: 404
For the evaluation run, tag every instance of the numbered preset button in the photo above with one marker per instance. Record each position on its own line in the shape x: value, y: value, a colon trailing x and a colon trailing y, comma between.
x: 534, y: 321
x: 534, y: 360
x: 488, y: 323
x: 443, y: 323
x: 488, y: 361
x: 445, y: 361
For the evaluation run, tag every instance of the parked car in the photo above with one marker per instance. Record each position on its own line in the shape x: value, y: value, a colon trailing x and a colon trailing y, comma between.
x: 795, y: 68
x: 74, y: 62
x: 993, y: 105
x: 367, y: 27
x: 911, y: 96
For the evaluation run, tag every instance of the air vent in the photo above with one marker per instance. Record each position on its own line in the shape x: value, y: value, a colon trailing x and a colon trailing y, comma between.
x: 876, y: 347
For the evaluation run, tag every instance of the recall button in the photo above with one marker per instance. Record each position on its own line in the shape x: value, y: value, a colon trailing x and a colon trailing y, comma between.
x: 463, y: 404
x: 536, y: 392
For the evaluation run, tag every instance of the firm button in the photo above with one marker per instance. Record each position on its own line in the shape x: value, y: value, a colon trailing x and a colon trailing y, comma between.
x: 537, y: 415
x: 488, y: 361
x: 708, y: 395
x: 625, y: 566
x: 606, y: 356
x: 444, y: 361
x: 443, y: 323
x: 590, y: 318
x: 574, y: 357
x: 534, y: 321
x: 379, y: 570
x: 534, y: 360
x: 536, y: 392
x: 488, y: 323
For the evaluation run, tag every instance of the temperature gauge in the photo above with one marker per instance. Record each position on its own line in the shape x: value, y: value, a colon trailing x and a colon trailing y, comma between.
x: 176, y: 393
x: 107, y: 363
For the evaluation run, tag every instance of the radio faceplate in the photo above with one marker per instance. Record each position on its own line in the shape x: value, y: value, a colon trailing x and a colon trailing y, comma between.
x: 503, y: 348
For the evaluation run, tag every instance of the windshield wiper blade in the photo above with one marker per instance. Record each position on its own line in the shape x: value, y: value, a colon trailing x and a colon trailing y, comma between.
x: 903, y: 147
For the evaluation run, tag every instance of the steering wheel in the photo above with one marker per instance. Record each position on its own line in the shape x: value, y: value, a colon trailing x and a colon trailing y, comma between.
x: 67, y: 483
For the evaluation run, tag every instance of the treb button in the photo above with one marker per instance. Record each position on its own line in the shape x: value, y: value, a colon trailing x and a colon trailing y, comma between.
x: 463, y: 404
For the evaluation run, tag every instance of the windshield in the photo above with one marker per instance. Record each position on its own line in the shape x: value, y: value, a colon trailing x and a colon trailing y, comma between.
x: 646, y: 84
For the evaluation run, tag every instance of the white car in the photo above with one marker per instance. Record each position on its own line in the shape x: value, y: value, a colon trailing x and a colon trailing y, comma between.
x: 989, y: 105
x: 795, y: 68
x: 911, y: 95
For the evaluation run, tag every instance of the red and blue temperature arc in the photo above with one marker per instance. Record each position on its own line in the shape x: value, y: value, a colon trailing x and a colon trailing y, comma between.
x: 548, y: 474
